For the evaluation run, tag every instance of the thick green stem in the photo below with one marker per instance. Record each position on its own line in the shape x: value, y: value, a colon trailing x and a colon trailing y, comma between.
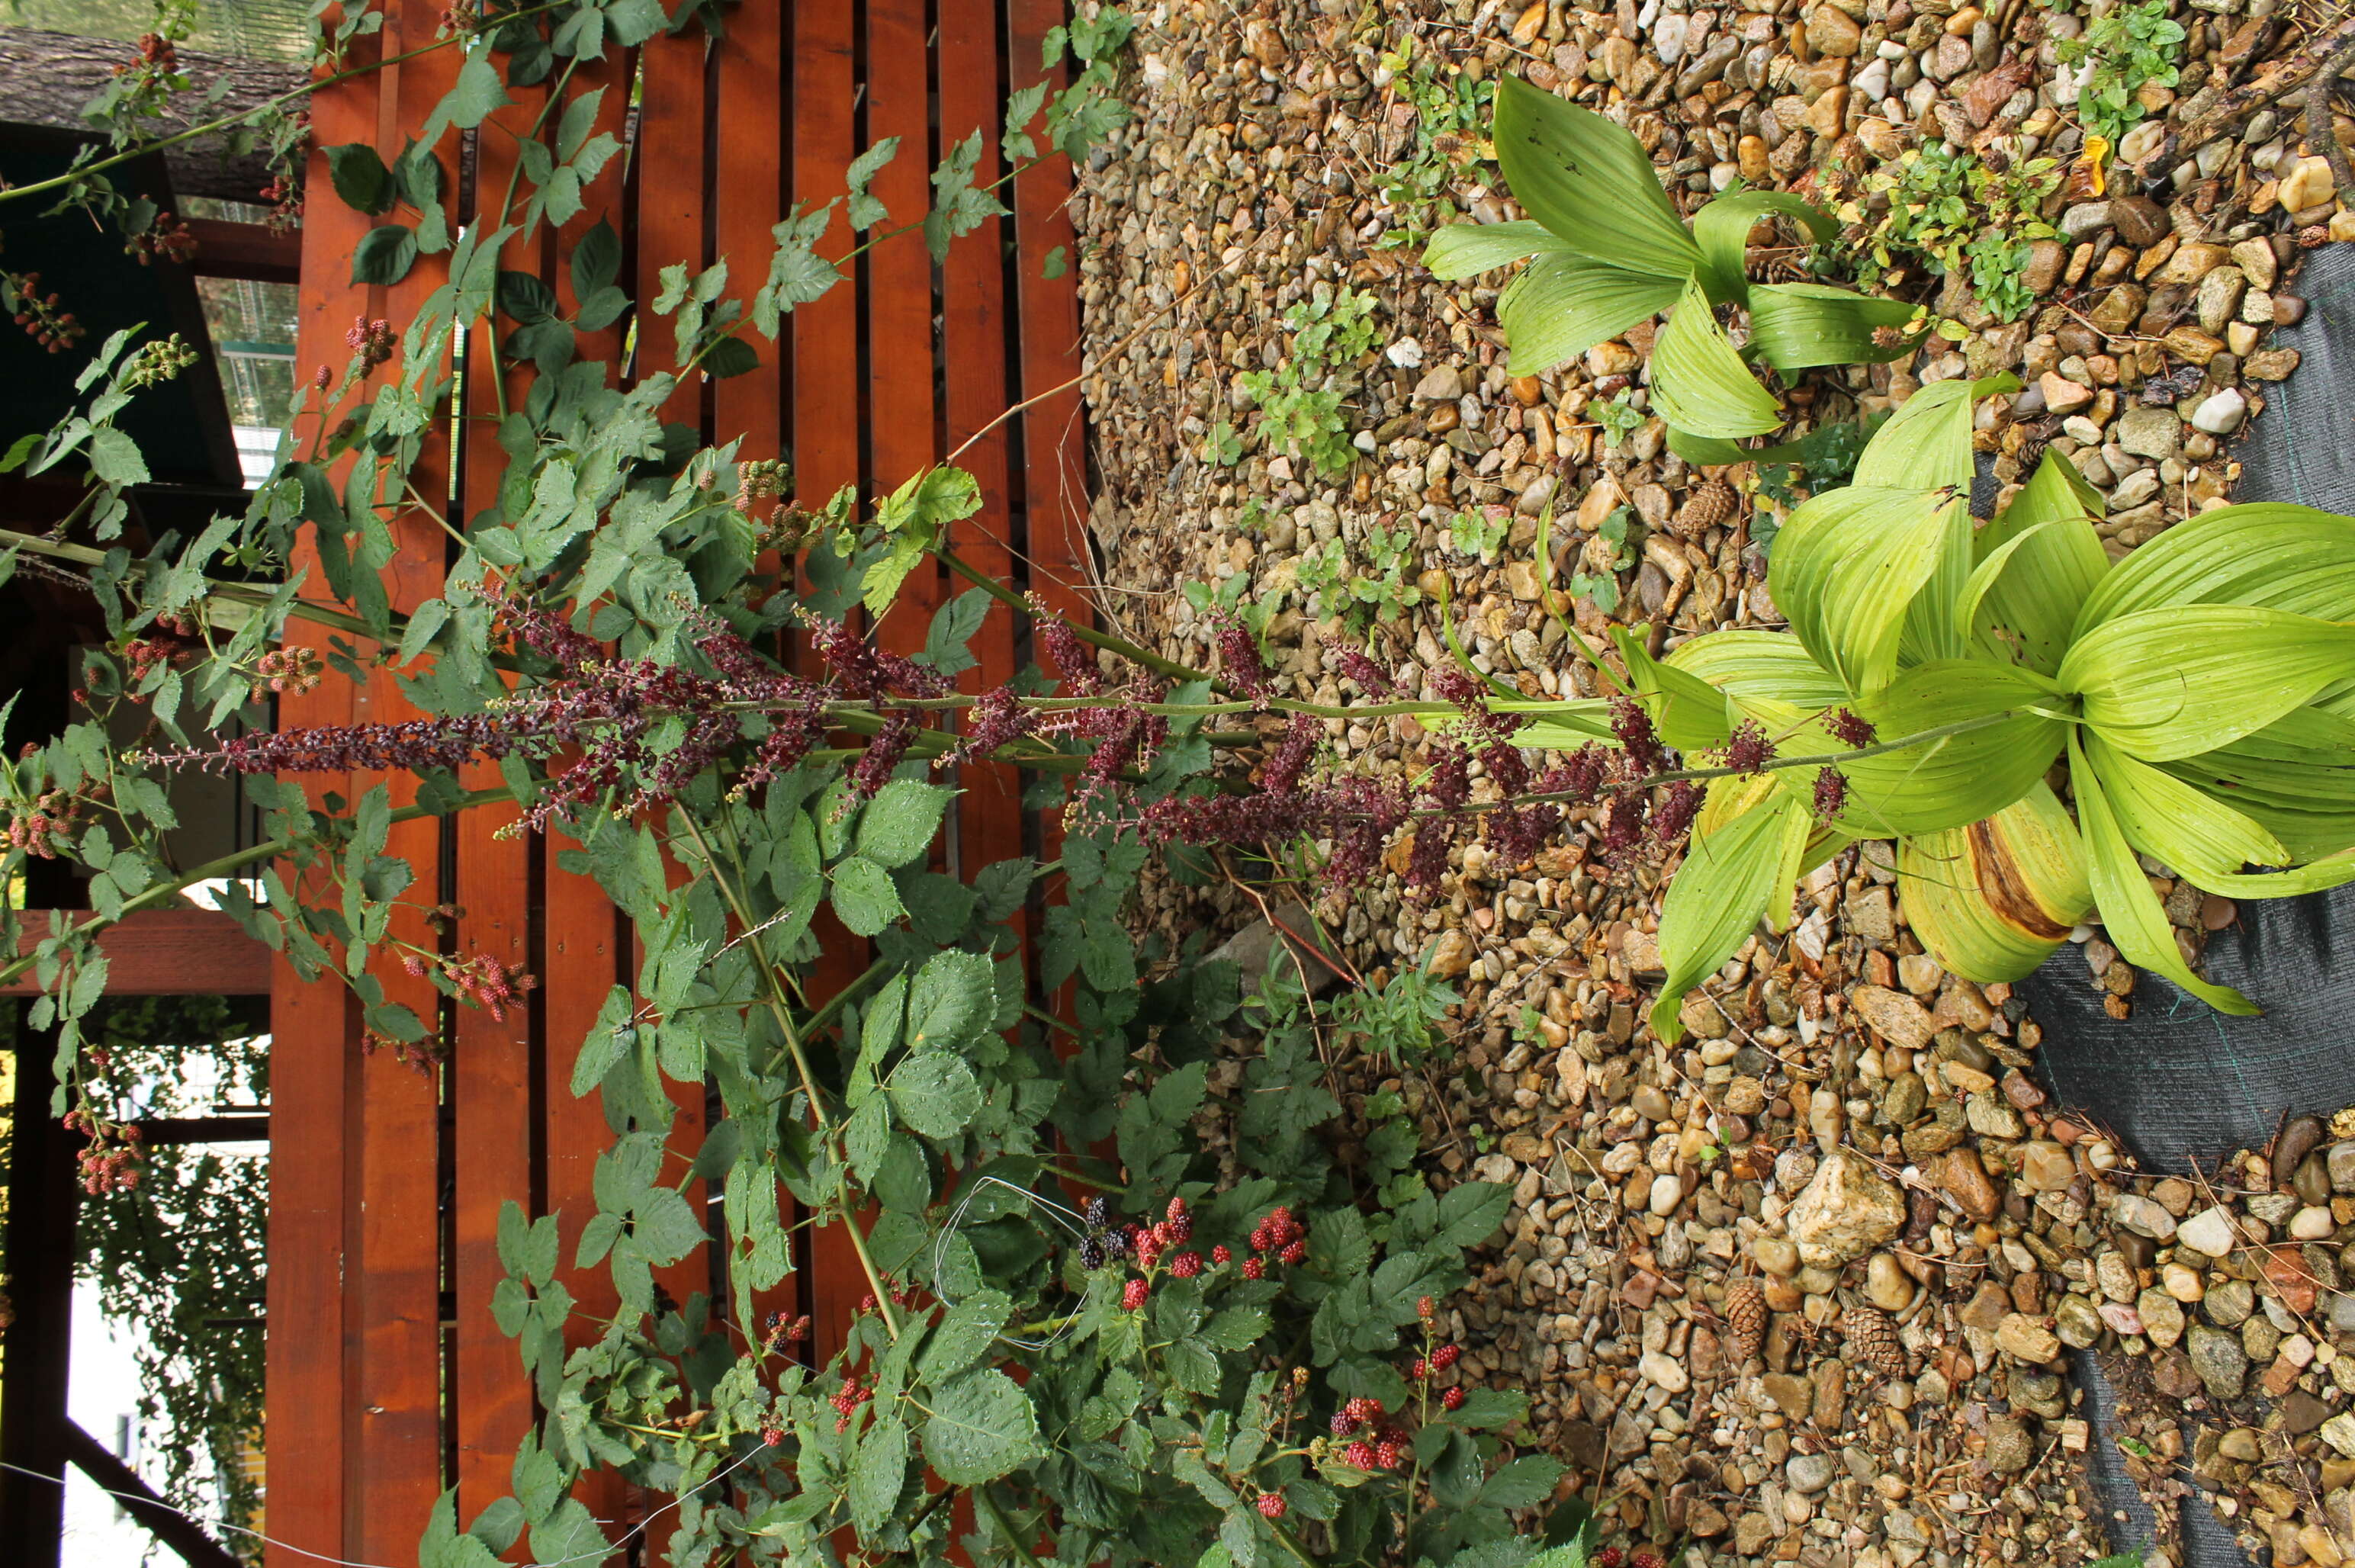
x: 163, y: 893
x: 1088, y: 634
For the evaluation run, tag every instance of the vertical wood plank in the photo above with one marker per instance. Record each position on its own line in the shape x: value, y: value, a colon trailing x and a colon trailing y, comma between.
x: 1054, y: 471
x: 491, y: 1070
x: 314, y: 1057
x: 399, y: 1277
x: 977, y: 388
x: 752, y: 175
x: 901, y: 409
x: 825, y: 422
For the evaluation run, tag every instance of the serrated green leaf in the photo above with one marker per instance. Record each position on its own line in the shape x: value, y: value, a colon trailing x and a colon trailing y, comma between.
x: 877, y: 1474
x: 935, y: 1093
x: 897, y: 825
x: 970, y: 1327
x: 863, y: 896
x: 982, y: 1426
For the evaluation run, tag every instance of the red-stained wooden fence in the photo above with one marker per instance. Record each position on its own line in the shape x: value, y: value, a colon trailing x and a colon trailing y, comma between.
x: 388, y: 1379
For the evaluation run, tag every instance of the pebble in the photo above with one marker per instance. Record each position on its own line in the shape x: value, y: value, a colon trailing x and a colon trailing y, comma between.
x: 2209, y: 1231
x: 1847, y: 1209
x: 2221, y: 412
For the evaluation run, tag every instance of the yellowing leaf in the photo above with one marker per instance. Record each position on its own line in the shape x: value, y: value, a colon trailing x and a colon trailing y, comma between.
x: 1993, y: 900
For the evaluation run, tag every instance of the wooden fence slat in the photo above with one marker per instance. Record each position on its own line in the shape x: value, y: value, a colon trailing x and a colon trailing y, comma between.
x: 312, y: 1060
x: 178, y: 952
x: 401, y: 1449
x: 900, y: 416
x: 825, y: 422
x: 492, y: 1071
x: 977, y: 388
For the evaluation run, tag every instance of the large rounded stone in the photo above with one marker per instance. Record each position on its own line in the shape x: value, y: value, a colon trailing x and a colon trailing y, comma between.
x: 1846, y: 1211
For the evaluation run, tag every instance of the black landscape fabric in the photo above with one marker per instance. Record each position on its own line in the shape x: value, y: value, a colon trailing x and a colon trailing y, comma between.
x: 2177, y: 1081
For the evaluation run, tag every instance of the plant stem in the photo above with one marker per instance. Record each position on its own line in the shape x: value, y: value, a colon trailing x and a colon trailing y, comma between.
x: 227, y: 865
x: 246, y: 116
x: 782, y: 1013
x: 987, y: 1504
x: 1088, y: 634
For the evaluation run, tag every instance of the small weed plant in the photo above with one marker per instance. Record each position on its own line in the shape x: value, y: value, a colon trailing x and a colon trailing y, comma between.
x: 1450, y: 108
x: 1951, y: 212
x: 2123, y: 50
x: 1300, y: 403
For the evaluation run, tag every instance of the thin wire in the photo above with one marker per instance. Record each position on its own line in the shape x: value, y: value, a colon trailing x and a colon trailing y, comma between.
x: 221, y: 1524
x: 1070, y: 1219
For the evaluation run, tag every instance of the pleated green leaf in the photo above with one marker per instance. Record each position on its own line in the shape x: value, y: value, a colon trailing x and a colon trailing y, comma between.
x: 2296, y: 777
x: 2130, y: 912
x: 1926, y: 444
x: 1753, y: 663
x: 1794, y: 325
x: 2203, y: 838
x: 2043, y: 561
x: 1732, y: 872
x: 1722, y: 228
x: 1700, y: 383
x: 1848, y: 566
x: 1589, y: 182
x: 1994, y: 899
x: 2164, y: 684
x: 2268, y: 557
x: 1467, y: 250
x: 1956, y: 779
x: 1688, y: 711
x: 1561, y: 306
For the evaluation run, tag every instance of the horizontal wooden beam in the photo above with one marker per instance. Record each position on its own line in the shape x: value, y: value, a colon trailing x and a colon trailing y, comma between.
x: 251, y: 250
x: 167, y: 953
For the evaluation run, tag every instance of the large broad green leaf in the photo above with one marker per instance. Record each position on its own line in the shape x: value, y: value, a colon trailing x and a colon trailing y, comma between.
x: 1700, y: 383
x: 1752, y: 664
x: 982, y: 1426
x: 1560, y: 726
x: 1732, y: 873
x: 1722, y: 228
x: 2296, y: 776
x: 1708, y: 451
x: 1956, y: 779
x: 1589, y: 182
x: 2164, y: 684
x: 1848, y: 566
x: 1994, y: 900
x: 2200, y: 838
x: 1926, y: 444
x: 1563, y: 305
x: 2130, y: 912
x: 1794, y: 325
x: 2050, y: 562
x: 2268, y: 556
x: 1689, y: 713
x: 1467, y: 250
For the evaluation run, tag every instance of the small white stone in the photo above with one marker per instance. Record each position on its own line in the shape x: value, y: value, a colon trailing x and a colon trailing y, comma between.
x: 2311, y: 1224
x: 2209, y: 1231
x: 1665, y: 1369
x: 2221, y: 412
x: 2340, y: 1432
x: 1406, y: 354
x: 1667, y: 1192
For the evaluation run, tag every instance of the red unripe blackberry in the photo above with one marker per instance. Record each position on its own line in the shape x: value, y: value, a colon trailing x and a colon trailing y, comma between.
x: 1344, y: 1423
x: 1220, y: 1254
x: 1253, y: 1268
x: 1361, y: 1454
x: 1133, y: 1297
x: 1420, y: 1369
x: 1444, y: 1357
x: 1271, y: 1505
x: 1648, y: 1560
x: 1185, y: 1265
x: 1388, y: 1455
x: 1610, y: 1557
x: 1426, y: 1308
x: 1452, y: 1400
x: 1297, y: 1253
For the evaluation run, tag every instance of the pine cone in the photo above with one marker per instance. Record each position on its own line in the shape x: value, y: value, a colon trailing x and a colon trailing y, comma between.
x: 1874, y: 1339
x: 1709, y: 506
x: 1745, y: 1318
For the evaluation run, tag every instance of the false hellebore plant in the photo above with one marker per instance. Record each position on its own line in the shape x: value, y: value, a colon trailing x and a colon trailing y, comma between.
x: 2202, y: 692
x: 1607, y: 251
